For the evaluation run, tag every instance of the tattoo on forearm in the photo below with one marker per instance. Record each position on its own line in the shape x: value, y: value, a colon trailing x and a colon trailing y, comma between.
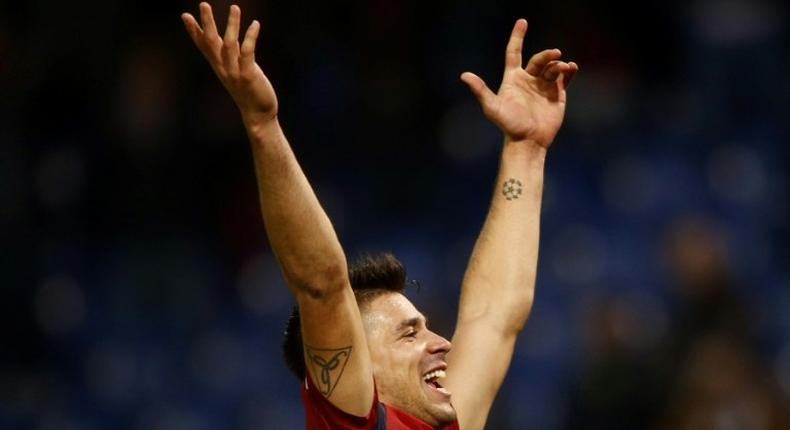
x: 511, y: 189
x: 328, y: 366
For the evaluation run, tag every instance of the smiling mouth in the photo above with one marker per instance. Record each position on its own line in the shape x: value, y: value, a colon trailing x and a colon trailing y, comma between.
x: 431, y: 379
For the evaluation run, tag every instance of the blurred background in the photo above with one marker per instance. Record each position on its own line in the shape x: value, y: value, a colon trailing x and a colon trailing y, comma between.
x: 139, y: 291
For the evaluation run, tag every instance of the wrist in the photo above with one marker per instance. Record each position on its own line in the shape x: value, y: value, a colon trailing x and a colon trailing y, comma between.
x: 528, y: 150
x: 261, y: 126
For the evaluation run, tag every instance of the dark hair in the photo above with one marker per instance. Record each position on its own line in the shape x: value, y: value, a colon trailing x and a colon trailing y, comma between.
x: 371, y: 276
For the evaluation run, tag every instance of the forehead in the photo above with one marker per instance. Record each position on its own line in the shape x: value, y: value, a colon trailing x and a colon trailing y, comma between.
x: 390, y: 310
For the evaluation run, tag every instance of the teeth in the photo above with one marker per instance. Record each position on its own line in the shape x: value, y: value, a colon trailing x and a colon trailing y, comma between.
x: 436, y: 374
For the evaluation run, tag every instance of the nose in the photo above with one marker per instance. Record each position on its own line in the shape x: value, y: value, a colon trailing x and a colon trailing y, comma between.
x: 438, y: 344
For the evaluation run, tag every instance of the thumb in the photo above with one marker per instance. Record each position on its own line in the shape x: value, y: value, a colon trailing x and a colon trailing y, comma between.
x: 479, y: 88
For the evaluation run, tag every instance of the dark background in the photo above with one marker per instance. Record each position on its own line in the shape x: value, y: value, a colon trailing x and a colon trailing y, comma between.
x: 139, y: 292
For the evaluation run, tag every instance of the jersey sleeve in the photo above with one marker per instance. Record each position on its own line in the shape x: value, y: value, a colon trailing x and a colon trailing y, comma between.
x: 321, y: 414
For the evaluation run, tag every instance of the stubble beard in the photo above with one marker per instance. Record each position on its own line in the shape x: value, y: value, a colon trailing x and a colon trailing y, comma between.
x: 414, y: 401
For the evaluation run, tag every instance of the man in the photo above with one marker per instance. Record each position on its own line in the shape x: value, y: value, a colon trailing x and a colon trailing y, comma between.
x: 375, y: 364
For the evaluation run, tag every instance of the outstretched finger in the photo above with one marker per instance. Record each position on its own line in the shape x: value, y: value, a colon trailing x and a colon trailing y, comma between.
x: 234, y: 21
x: 230, y: 43
x: 539, y: 61
x: 479, y: 88
x: 248, y: 46
x: 207, y: 19
x: 193, y: 29
x: 514, y: 45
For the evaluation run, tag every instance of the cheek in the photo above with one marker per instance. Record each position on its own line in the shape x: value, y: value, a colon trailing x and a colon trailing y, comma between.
x: 406, y: 360
x: 392, y: 360
x: 380, y: 356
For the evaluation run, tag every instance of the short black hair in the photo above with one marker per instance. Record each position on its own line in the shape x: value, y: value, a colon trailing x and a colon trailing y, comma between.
x: 371, y: 276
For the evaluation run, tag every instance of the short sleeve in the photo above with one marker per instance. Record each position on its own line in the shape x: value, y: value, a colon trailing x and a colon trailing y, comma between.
x: 321, y: 414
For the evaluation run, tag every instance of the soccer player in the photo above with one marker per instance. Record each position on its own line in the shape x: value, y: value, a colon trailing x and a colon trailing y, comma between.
x: 364, y: 354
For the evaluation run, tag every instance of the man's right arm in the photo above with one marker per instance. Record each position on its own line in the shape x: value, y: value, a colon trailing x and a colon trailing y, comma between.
x: 299, y: 230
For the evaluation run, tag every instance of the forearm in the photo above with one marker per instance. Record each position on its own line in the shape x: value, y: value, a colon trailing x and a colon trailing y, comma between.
x: 500, y: 279
x: 299, y: 230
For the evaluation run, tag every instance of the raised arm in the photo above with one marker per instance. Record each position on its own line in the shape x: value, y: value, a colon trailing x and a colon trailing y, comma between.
x: 299, y: 230
x: 498, y: 287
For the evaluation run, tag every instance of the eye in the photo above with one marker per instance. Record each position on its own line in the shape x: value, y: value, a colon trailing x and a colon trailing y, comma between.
x: 411, y: 334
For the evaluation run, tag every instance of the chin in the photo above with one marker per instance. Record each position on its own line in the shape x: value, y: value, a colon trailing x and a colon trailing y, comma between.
x: 444, y: 414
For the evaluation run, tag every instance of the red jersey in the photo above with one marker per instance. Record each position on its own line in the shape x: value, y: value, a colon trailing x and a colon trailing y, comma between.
x: 321, y: 414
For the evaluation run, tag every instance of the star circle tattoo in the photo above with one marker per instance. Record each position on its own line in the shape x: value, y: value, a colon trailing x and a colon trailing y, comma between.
x: 511, y: 189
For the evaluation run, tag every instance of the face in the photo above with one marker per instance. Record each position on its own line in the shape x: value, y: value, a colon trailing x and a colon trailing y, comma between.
x: 408, y: 359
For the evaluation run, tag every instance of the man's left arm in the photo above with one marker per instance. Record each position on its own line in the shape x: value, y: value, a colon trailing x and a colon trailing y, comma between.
x: 498, y: 287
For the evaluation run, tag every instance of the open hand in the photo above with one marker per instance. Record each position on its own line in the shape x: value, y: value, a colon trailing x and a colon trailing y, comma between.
x: 234, y: 63
x: 530, y: 103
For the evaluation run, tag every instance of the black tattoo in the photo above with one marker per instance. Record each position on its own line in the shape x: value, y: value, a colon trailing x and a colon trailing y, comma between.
x: 328, y: 366
x: 511, y: 189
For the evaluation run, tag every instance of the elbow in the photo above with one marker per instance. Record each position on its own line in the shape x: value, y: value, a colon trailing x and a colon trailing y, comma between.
x: 504, y: 306
x: 507, y: 317
x: 516, y: 327
x: 515, y: 318
x: 321, y: 282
